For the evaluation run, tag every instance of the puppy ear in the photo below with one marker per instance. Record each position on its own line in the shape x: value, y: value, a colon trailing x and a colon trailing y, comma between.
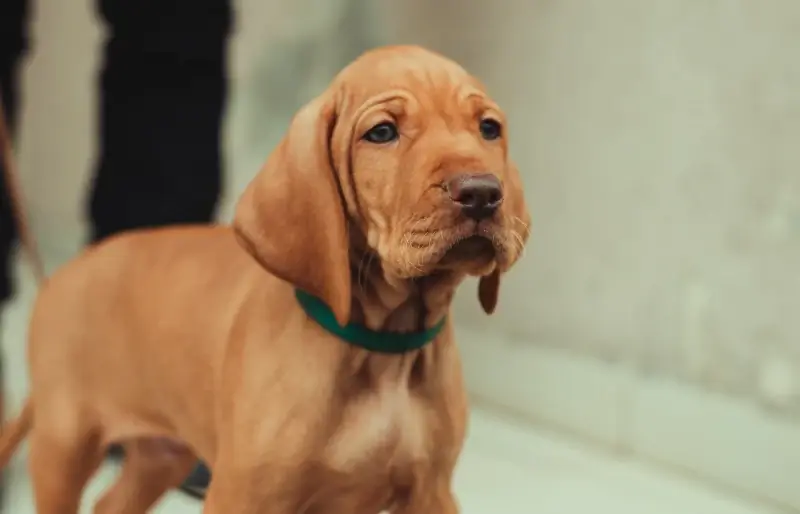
x: 488, y: 289
x: 291, y: 217
x: 519, y: 220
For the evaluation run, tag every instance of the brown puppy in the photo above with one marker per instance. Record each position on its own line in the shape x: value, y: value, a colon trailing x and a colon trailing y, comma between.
x: 388, y: 190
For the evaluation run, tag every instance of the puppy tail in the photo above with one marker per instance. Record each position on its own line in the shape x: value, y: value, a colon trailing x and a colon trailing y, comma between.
x: 13, y: 432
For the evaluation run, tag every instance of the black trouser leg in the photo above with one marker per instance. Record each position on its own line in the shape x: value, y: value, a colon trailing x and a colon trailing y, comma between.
x: 162, y: 95
x: 13, y: 44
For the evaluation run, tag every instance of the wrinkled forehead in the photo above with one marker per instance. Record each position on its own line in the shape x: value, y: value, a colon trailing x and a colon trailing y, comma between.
x: 432, y: 79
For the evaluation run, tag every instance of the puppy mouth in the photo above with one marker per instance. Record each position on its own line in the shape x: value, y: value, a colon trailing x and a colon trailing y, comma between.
x: 469, y: 246
x: 475, y: 248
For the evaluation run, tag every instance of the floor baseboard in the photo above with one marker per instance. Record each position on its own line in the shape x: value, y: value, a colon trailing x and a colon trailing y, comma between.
x: 723, y: 440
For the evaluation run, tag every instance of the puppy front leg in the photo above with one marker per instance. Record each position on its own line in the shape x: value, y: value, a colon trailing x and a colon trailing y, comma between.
x: 245, y: 489
x: 263, y: 467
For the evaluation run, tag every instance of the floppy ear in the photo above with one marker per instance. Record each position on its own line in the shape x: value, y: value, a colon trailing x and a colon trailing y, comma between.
x: 519, y: 220
x: 291, y: 217
x: 488, y: 290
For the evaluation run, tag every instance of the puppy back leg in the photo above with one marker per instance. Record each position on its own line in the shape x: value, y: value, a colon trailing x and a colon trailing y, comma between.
x: 151, y: 468
x: 64, y: 454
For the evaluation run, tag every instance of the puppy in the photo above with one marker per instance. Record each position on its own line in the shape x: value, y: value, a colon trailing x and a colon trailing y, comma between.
x: 306, y: 353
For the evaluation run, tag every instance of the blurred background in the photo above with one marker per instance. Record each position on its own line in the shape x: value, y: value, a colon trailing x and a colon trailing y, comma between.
x: 645, y: 356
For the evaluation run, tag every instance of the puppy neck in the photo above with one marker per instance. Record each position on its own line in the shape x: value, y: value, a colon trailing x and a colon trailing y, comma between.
x: 382, y: 302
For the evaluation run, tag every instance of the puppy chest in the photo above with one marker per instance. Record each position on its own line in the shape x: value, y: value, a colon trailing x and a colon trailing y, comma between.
x: 388, y: 430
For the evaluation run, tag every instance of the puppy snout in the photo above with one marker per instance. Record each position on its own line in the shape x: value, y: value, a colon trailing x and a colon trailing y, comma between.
x: 478, y: 195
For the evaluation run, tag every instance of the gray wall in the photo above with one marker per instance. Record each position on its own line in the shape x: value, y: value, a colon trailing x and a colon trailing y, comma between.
x: 657, y: 309
x: 659, y: 145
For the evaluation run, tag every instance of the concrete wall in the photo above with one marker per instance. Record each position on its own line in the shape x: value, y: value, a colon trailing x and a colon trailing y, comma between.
x: 657, y: 308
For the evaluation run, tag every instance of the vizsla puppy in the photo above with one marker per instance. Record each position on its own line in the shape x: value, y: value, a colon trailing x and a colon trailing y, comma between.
x: 317, y: 325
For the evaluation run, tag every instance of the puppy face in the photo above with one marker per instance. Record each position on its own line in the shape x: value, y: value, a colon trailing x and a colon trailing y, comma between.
x: 404, y: 155
x: 424, y: 166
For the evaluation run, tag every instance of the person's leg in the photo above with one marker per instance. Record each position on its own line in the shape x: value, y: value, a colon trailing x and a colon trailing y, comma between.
x: 13, y: 43
x: 162, y: 93
x: 163, y: 90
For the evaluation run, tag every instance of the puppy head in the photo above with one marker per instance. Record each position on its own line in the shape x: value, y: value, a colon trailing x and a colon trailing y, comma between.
x: 407, y: 149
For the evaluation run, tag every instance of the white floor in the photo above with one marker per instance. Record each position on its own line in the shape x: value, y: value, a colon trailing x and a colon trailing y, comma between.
x: 506, y: 467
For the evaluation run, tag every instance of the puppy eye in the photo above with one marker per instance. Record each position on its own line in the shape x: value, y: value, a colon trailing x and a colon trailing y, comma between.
x: 382, y: 133
x: 490, y: 129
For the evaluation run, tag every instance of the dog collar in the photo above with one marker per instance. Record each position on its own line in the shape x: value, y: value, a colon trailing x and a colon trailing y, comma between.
x: 363, y: 337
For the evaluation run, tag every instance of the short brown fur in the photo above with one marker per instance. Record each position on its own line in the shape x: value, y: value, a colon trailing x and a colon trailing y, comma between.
x: 179, y: 344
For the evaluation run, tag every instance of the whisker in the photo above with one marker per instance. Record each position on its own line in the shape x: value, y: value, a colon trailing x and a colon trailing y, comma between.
x: 364, y: 266
x: 520, y: 242
x: 414, y: 230
x: 370, y: 258
x: 360, y: 273
x: 413, y: 265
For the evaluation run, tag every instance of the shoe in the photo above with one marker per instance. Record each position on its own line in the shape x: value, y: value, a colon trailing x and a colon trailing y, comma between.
x: 197, y: 483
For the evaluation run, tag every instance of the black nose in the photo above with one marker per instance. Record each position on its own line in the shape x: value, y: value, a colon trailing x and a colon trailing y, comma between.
x: 479, y: 196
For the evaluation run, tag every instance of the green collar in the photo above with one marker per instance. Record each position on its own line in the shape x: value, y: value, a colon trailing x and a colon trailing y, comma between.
x: 359, y: 335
